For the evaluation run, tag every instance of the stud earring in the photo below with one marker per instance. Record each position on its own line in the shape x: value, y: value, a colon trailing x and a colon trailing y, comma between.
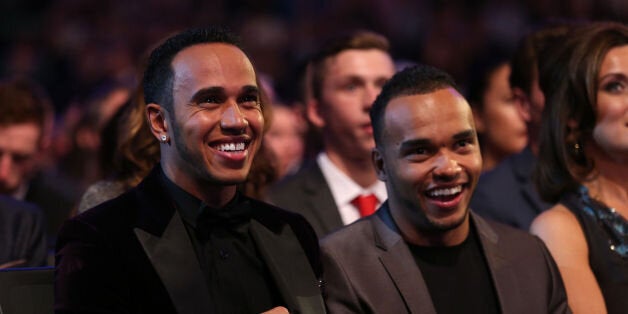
x: 164, y: 138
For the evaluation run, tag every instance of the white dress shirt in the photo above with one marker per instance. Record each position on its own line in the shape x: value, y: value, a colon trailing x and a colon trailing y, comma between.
x: 344, y: 189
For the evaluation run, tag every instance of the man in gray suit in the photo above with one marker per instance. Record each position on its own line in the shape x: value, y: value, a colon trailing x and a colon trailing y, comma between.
x: 424, y: 251
x: 340, y: 186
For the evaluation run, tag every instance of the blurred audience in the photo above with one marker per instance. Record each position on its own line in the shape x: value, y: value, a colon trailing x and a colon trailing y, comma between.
x: 81, y: 162
x: 22, y: 234
x: 285, y: 139
x: 25, y: 127
x: 583, y: 165
x: 340, y: 185
x: 501, y: 129
x: 128, y: 152
x: 507, y: 193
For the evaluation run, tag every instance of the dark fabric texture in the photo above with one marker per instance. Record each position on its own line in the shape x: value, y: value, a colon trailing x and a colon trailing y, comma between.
x: 507, y: 194
x: 132, y: 255
x: 22, y: 233
x: 307, y: 193
x: 370, y: 269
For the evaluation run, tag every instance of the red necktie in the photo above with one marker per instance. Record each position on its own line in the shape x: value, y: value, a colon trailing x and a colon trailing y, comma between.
x: 365, y: 204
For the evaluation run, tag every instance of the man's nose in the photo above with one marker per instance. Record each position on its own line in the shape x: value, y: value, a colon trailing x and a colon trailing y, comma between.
x: 446, y: 167
x: 233, y: 119
x: 371, y: 92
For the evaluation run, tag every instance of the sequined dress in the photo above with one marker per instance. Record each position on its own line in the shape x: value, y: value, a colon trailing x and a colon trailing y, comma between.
x: 607, y: 239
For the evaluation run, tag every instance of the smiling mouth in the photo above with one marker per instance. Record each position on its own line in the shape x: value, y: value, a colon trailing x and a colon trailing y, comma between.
x: 444, y: 194
x: 233, y: 147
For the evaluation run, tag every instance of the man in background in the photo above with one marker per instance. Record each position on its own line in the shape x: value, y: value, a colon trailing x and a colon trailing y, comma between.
x: 25, y: 127
x: 340, y: 186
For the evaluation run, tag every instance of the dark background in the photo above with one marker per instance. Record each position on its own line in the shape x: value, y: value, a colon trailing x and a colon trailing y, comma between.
x: 73, y: 46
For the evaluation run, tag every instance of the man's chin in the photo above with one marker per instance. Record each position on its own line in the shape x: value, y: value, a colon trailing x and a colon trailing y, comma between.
x: 449, y: 223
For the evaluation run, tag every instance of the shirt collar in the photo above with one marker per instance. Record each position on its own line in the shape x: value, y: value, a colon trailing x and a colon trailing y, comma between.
x: 188, y: 205
x: 342, y: 187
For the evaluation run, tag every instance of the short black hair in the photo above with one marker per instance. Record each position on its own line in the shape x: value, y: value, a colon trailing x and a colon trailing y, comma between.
x: 416, y: 80
x: 158, y: 77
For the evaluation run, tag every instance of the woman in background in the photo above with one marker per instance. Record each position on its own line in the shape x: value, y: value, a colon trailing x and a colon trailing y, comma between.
x: 501, y: 128
x: 583, y: 165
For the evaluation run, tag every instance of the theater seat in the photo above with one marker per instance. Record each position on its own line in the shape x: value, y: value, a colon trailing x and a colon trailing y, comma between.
x: 27, y: 290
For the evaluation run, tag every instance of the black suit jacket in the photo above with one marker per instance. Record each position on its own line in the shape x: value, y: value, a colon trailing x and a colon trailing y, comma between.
x: 370, y: 269
x: 133, y: 255
x: 307, y: 193
x: 22, y: 233
x: 507, y: 193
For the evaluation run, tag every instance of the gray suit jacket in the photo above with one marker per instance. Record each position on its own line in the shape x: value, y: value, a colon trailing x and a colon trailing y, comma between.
x: 132, y: 254
x: 370, y: 269
x: 307, y: 193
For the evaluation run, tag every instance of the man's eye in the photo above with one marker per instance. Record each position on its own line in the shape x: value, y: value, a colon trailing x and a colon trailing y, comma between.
x: 419, y: 151
x: 351, y: 86
x: 249, y: 101
x: 212, y: 100
x: 464, y: 143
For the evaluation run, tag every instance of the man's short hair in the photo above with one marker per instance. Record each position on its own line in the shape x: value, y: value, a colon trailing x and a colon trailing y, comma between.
x: 359, y: 40
x: 158, y: 80
x: 24, y: 101
x: 416, y: 80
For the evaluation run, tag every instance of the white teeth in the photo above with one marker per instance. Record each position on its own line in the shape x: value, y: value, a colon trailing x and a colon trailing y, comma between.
x: 445, y: 192
x: 231, y: 147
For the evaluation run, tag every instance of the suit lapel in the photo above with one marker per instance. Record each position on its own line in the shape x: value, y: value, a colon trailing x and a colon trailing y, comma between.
x: 290, y: 268
x: 504, y: 279
x: 399, y: 263
x: 321, y: 200
x: 174, y: 259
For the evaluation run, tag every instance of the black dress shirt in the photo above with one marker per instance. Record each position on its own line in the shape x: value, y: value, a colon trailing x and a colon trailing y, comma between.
x: 237, y: 277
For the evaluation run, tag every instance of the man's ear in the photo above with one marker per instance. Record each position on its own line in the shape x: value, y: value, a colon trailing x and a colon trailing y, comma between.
x: 378, y: 161
x: 522, y: 102
x: 478, y: 120
x: 313, y: 112
x: 157, y: 120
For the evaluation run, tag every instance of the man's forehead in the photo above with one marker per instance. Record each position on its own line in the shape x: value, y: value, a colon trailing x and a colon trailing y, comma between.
x: 214, y: 64
x: 352, y: 60
x: 211, y: 57
x: 439, y: 105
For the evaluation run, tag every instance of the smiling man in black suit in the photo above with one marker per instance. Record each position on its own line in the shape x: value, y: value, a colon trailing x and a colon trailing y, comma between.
x: 185, y: 240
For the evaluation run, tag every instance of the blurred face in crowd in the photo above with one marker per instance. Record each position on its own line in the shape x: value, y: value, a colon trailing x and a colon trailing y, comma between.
x: 352, y: 80
x: 19, y: 145
x: 216, y: 127
x: 430, y: 160
x: 285, y: 139
x: 611, y: 128
x: 499, y: 121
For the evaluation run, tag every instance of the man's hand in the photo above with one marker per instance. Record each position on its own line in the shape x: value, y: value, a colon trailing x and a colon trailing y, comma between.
x: 19, y: 262
x: 277, y: 310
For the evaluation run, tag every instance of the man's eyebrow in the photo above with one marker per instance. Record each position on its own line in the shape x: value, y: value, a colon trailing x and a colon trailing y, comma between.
x: 415, y: 143
x: 213, y: 90
x: 464, y: 134
x: 250, y: 89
